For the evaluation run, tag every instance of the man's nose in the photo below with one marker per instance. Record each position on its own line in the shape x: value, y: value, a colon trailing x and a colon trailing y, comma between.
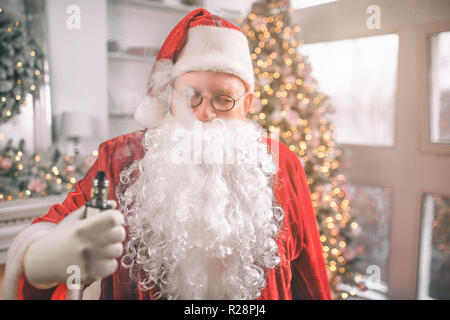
x: 205, y: 112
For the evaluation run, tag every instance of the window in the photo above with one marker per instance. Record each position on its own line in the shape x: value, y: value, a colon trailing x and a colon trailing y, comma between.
x: 360, y: 77
x: 302, y: 4
x: 440, y: 88
x: 371, y: 211
x: 434, y: 261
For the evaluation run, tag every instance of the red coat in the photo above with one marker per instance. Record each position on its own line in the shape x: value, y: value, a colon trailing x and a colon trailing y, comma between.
x: 301, y: 273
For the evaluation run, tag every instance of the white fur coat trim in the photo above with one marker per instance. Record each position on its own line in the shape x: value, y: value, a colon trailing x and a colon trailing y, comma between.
x: 16, y: 252
x: 14, y: 261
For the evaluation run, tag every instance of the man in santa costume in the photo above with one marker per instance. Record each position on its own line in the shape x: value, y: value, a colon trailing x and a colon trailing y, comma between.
x: 204, y: 205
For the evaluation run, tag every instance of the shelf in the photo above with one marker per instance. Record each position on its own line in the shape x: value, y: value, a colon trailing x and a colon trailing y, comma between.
x: 155, y: 5
x: 18, y: 214
x: 126, y: 56
x: 120, y: 114
x: 30, y: 208
x: 227, y: 13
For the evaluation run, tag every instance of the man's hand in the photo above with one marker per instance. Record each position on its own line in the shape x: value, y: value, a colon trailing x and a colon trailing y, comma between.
x: 92, y: 244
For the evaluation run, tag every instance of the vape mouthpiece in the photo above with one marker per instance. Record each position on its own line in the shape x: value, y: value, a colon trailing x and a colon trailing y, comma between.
x: 100, y: 191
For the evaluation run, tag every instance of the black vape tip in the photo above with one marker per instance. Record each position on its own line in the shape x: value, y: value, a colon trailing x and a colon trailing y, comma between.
x: 101, y: 175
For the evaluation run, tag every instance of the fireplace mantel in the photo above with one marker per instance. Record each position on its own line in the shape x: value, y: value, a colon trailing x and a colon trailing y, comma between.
x: 16, y: 215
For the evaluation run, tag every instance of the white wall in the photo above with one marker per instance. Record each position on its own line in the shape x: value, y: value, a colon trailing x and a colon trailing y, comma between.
x: 133, y: 25
x: 345, y: 19
x: 78, y: 64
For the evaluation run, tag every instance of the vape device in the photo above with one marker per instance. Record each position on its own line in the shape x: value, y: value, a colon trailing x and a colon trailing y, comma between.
x: 99, y: 193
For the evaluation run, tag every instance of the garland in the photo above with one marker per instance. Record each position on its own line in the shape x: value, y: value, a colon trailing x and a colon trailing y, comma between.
x: 24, y: 176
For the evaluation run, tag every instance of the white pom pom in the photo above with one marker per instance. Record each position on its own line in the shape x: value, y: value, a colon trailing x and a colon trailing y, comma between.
x: 149, y: 112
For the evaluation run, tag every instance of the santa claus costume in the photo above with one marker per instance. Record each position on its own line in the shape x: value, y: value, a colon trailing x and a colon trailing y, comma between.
x: 212, y: 231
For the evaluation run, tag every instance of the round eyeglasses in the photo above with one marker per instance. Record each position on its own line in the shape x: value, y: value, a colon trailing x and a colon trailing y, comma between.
x: 221, y: 102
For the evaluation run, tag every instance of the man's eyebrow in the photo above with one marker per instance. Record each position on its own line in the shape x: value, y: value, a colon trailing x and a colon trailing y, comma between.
x: 220, y: 91
x: 194, y: 88
x: 187, y: 87
x: 227, y: 91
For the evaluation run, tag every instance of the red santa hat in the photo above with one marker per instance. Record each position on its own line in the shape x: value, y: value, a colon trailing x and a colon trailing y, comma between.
x: 200, y: 42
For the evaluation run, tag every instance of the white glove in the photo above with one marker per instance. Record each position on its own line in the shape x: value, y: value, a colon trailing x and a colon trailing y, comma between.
x: 92, y: 244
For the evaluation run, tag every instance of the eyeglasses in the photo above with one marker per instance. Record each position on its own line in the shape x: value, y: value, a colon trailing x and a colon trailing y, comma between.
x: 221, y: 102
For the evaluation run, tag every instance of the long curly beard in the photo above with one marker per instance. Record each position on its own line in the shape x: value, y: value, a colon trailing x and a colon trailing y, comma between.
x: 201, y: 227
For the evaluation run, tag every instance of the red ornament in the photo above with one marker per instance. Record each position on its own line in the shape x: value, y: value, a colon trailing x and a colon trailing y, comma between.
x: 70, y: 169
x: 6, y: 163
x: 36, y: 185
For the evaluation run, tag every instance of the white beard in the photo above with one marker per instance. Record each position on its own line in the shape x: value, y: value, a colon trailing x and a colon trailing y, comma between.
x: 201, y: 230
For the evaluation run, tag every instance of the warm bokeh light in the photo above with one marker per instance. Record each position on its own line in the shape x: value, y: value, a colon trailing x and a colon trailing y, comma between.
x: 290, y: 103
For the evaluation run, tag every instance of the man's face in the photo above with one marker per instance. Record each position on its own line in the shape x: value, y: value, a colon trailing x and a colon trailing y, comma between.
x: 208, y: 84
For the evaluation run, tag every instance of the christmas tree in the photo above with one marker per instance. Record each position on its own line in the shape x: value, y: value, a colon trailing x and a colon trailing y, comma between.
x: 20, y: 67
x: 288, y: 103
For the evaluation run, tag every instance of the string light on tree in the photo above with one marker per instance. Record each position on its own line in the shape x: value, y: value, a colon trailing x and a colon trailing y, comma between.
x: 20, y: 67
x: 24, y: 175
x: 287, y: 101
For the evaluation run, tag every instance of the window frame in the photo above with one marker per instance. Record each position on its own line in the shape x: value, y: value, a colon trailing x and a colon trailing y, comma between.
x: 423, y: 215
x: 424, y: 34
